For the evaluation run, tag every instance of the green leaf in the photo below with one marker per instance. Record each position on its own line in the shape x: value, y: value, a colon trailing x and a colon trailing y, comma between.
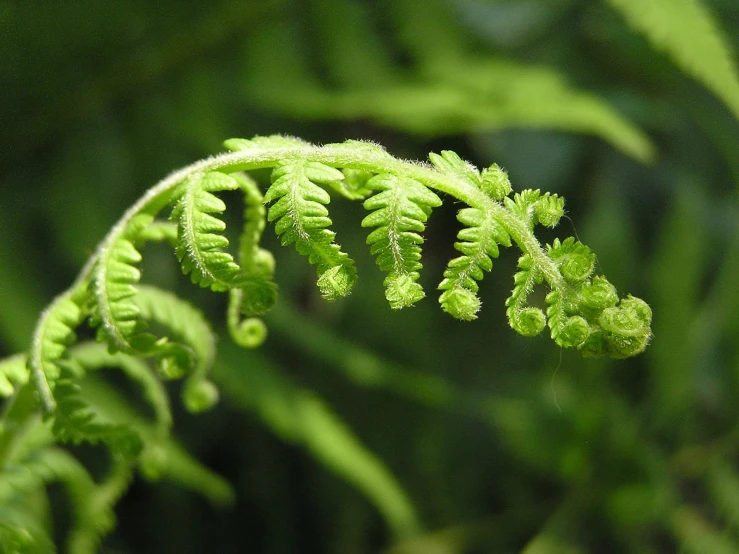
x: 300, y: 416
x: 13, y: 373
x: 301, y: 218
x: 113, y: 286
x: 576, y: 261
x: 54, y: 333
x: 75, y: 422
x: 689, y: 34
x: 479, y: 245
x: 201, y: 239
x: 525, y: 320
x: 400, y: 207
x: 533, y: 207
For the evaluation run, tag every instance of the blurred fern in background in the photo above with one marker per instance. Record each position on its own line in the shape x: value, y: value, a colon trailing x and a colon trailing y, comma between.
x: 356, y: 428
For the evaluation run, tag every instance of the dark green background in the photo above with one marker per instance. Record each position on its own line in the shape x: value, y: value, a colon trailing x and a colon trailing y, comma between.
x: 532, y: 448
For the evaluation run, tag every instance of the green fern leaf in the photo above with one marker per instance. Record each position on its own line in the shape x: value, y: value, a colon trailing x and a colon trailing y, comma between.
x: 74, y: 422
x: 686, y: 30
x: 263, y: 142
x: 201, y: 233
x: 535, y: 208
x: 13, y: 374
x: 479, y: 246
x: 114, y: 280
x: 400, y: 207
x: 568, y: 330
x: 575, y: 261
x: 53, y: 335
x: 93, y: 356
x: 258, y: 291
x: 191, y: 349
x: 528, y: 321
x: 301, y: 218
x: 450, y: 163
x: 185, y: 321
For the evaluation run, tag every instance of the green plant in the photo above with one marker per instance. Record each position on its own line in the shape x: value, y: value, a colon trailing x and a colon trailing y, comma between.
x: 152, y: 335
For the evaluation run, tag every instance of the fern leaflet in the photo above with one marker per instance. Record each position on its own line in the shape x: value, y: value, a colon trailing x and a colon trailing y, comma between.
x: 113, y: 286
x: 53, y: 335
x: 74, y: 422
x: 526, y: 320
x: 400, y: 208
x: 201, y: 239
x: 479, y: 245
x: 301, y: 218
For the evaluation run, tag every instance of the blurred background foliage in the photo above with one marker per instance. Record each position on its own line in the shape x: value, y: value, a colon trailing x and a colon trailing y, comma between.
x: 356, y: 428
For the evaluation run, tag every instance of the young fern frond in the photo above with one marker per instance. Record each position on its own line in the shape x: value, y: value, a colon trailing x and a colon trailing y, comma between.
x: 400, y: 211
x: 74, y: 422
x: 13, y: 374
x: 54, y: 333
x: 524, y: 319
x: 583, y: 311
x: 114, y: 280
x: 299, y: 212
x: 192, y: 345
x: 479, y: 244
x: 258, y: 292
x: 534, y: 208
x: 201, y: 232
x: 139, y: 322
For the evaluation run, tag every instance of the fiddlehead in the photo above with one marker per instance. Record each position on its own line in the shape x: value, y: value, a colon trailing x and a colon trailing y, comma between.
x: 141, y: 323
x: 582, y: 311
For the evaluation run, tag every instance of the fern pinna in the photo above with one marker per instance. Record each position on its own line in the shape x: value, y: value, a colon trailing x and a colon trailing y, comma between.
x: 139, y: 322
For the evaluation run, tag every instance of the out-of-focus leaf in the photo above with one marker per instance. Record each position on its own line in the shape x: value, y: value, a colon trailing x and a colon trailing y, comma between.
x: 175, y: 464
x: 676, y: 276
x: 686, y: 30
x: 300, y: 416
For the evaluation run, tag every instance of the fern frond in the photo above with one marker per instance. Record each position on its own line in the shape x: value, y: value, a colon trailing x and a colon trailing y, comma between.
x: 493, y: 181
x: 575, y: 261
x: 534, y: 208
x: 263, y: 142
x: 74, y: 422
x: 526, y: 320
x: 190, y: 348
x: 25, y: 478
x: 98, y: 517
x: 400, y: 207
x: 622, y: 331
x: 201, y: 233
x: 688, y: 32
x: 479, y: 245
x: 450, y: 163
x: 13, y: 374
x: 21, y: 532
x: 113, y: 286
x: 92, y: 356
x: 54, y: 332
x: 301, y: 218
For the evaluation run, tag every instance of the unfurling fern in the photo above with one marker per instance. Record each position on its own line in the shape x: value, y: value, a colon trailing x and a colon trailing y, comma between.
x: 301, y: 218
x: 400, y: 210
x: 153, y: 335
